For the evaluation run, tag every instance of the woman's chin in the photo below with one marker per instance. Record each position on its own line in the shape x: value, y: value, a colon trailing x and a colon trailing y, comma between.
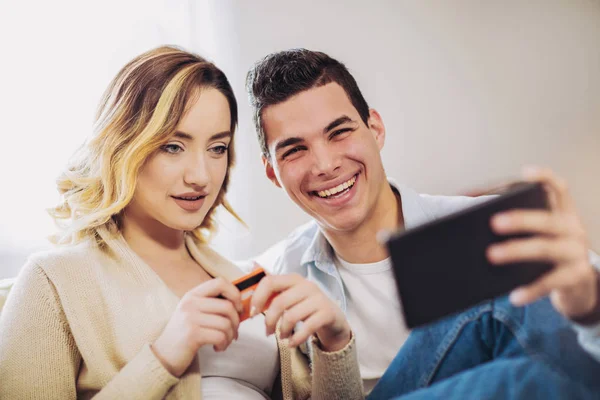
x: 185, y: 225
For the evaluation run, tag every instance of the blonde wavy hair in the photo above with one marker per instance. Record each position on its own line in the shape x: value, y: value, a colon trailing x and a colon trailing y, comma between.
x: 138, y: 113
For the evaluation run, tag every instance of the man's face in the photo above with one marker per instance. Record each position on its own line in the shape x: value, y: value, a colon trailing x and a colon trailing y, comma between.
x: 325, y: 157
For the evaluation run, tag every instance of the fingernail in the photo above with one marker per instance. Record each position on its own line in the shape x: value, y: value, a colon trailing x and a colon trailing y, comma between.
x: 501, y: 221
x: 495, y: 253
x: 517, y: 297
x: 291, y: 342
x: 252, y: 311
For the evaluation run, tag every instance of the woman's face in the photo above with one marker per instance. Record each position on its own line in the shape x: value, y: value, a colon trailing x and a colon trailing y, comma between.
x: 180, y: 182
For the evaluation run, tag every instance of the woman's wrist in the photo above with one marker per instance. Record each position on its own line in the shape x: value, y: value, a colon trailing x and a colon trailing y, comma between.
x: 176, y: 372
x: 337, y: 343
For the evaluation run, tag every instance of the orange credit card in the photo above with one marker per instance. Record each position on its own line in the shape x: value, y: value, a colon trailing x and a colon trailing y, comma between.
x: 247, y: 285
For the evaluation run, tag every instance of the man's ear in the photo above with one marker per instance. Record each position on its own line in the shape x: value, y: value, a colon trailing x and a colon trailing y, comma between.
x: 270, y: 172
x: 377, y: 127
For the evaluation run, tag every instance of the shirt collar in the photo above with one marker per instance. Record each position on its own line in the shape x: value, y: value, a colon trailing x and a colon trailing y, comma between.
x: 414, y: 212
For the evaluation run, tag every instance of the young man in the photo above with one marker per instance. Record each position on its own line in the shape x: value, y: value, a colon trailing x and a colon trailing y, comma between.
x: 321, y: 144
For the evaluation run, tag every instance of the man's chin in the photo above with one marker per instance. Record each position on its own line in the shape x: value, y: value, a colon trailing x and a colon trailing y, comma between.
x: 340, y: 226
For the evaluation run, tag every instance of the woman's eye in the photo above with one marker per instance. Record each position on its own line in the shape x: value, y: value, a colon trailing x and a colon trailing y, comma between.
x: 219, y: 149
x: 172, y: 148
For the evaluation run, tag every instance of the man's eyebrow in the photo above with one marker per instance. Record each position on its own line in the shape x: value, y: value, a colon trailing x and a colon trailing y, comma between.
x: 288, y: 142
x: 337, y: 122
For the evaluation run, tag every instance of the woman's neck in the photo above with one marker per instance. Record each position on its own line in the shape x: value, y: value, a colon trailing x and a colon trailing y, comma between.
x: 152, y: 240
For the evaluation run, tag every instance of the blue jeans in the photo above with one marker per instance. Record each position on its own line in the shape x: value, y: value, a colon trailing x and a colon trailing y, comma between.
x: 493, y: 351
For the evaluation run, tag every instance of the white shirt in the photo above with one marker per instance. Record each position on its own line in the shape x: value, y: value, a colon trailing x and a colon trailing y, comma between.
x: 374, y: 313
x: 246, y: 370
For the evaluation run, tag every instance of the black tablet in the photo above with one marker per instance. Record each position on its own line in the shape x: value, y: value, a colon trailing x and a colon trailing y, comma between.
x: 441, y: 266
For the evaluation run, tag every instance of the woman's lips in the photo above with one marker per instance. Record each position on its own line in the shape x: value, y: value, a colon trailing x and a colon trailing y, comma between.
x: 190, y: 205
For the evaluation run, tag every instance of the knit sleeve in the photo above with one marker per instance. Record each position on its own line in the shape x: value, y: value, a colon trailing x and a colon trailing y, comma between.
x: 144, y: 377
x: 39, y: 358
x: 336, y: 375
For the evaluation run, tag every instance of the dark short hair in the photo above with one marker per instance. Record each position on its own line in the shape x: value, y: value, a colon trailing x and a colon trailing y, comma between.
x: 279, y: 76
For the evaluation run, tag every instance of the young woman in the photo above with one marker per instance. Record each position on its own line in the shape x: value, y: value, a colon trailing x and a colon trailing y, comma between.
x: 135, y: 304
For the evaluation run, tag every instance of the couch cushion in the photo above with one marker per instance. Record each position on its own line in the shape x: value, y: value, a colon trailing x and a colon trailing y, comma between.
x: 5, y: 286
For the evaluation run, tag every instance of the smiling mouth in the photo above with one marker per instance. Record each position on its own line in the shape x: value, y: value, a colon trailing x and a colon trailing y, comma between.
x: 188, y: 198
x: 338, y: 190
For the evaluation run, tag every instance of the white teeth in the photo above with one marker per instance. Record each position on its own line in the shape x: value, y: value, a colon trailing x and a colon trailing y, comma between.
x: 189, y: 198
x: 339, y: 188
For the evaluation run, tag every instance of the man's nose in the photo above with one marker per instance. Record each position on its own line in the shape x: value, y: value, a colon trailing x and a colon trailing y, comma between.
x: 326, y: 161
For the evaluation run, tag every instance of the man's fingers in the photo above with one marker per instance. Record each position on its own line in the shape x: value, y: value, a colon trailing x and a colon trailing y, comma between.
x: 533, y: 249
x: 558, y: 192
x: 556, y: 279
x: 526, y: 221
x: 537, y: 222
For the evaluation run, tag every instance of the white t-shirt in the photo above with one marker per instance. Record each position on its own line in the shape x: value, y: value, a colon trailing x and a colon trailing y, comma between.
x: 374, y: 313
x: 246, y: 370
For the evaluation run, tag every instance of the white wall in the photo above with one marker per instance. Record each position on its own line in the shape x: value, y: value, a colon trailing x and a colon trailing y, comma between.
x: 470, y: 91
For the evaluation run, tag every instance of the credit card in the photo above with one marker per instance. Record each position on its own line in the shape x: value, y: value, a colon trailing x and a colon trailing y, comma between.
x: 247, y: 285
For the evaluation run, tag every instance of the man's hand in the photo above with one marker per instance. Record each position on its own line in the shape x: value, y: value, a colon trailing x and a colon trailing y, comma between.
x: 300, y: 300
x: 559, y: 238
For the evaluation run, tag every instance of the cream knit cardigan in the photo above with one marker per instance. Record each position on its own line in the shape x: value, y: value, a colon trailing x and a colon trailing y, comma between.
x: 79, y: 321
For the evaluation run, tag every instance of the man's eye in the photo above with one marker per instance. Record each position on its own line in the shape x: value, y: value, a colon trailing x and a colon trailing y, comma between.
x: 291, y: 152
x: 171, y: 148
x: 218, y: 149
x: 339, y: 132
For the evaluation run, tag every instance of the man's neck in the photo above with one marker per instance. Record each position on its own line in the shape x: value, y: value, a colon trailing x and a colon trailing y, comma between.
x: 361, y: 246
